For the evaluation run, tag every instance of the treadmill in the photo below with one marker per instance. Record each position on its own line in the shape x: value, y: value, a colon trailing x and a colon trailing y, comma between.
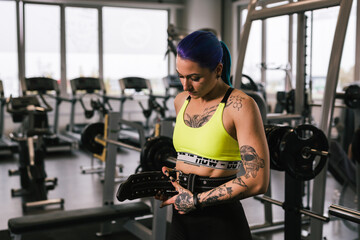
x: 92, y: 88
x: 49, y: 87
x: 7, y: 147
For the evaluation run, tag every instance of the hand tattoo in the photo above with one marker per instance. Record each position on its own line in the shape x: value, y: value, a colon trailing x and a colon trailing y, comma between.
x: 184, y: 201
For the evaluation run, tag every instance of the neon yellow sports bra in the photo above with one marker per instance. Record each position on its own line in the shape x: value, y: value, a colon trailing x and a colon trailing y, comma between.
x: 210, y: 142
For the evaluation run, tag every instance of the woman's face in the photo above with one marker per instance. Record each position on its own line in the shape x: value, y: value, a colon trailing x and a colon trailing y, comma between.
x: 196, y: 80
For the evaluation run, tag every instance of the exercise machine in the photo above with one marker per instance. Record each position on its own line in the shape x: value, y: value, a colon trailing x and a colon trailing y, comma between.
x: 110, y: 216
x: 7, y: 147
x: 302, y: 153
x: 48, y: 87
x: 140, y: 90
x: 84, y: 90
x: 33, y: 178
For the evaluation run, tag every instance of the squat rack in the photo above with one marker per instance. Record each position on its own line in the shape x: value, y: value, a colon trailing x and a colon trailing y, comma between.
x: 299, y: 8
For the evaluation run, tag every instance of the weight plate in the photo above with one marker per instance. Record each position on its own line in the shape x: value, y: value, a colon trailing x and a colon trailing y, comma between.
x: 88, y: 137
x: 300, y: 163
x: 155, y: 153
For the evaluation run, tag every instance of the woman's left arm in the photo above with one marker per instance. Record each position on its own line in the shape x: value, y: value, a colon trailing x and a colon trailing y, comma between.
x: 254, y: 179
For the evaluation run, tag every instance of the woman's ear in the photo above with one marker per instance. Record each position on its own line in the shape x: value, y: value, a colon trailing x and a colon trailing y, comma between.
x: 219, y: 69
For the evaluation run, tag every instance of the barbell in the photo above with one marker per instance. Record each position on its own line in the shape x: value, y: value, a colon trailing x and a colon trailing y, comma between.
x: 156, y: 153
x: 293, y: 150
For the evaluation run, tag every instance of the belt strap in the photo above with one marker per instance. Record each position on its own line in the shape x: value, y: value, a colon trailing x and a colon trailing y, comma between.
x: 198, y: 184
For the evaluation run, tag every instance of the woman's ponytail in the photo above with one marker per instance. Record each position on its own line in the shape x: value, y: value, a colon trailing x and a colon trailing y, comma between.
x: 226, y: 61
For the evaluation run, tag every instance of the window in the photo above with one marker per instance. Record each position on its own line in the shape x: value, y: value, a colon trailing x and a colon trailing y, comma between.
x: 135, y: 42
x: 42, y: 41
x: 82, y: 45
x: 8, y: 48
x: 277, y: 45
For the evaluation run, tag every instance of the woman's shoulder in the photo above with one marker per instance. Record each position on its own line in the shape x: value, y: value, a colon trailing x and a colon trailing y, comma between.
x: 180, y: 99
x: 240, y: 99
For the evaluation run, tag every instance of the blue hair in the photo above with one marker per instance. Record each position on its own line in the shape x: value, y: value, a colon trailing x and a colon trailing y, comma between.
x: 204, y: 48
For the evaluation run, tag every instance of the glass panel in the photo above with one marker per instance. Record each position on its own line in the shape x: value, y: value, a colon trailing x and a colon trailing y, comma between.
x: 134, y: 45
x: 8, y: 48
x: 42, y: 41
x: 252, y: 61
x: 324, y: 23
x: 82, y: 51
x: 277, y: 44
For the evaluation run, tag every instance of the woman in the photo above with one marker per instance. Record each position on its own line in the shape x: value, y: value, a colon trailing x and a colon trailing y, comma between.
x: 222, y: 149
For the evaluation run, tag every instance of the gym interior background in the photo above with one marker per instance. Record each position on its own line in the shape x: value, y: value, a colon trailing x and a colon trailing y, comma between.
x: 298, y: 62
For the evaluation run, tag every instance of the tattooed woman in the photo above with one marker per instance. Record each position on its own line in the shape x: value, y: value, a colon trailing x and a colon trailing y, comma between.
x: 222, y: 149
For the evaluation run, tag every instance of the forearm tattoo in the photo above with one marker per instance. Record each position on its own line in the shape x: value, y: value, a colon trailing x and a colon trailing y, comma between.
x: 216, y: 194
x: 235, y: 102
x: 251, y: 164
x: 199, y: 120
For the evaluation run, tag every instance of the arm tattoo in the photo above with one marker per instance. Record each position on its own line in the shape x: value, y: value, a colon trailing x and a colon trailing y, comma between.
x: 215, y: 194
x: 251, y: 161
x: 198, y: 120
x: 235, y: 101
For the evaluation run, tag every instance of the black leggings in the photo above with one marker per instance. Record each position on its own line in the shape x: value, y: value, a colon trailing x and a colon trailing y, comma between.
x: 224, y: 221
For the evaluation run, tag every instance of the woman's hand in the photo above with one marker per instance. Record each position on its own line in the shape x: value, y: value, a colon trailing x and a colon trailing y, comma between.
x: 183, y: 202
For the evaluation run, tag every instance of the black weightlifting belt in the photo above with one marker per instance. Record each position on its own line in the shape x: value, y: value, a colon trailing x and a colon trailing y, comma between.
x: 148, y: 184
x: 197, y: 184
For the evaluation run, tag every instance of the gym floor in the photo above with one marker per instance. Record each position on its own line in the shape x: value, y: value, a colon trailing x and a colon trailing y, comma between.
x: 85, y: 190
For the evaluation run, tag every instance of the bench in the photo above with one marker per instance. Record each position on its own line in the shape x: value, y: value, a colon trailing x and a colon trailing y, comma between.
x: 30, y: 223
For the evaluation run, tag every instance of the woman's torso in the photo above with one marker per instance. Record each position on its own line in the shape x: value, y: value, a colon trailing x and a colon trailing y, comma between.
x: 204, y: 113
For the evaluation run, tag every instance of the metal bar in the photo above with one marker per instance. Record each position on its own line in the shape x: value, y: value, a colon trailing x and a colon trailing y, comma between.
x: 128, y: 146
x: 303, y: 211
x: 319, y: 183
x: 244, y: 37
x: 345, y: 213
x: 294, y: 7
x: 300, y: 64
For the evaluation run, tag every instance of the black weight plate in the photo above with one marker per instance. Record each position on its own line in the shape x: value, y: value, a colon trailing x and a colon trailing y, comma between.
x: 298, y: 164
x: 88, y: 137
x: 274, y: 138
x: 352, y: 96
x: 145, y: 166
x: 155, y: 153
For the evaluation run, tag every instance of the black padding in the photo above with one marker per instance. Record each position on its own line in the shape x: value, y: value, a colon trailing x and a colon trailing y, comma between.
x: 47, y: 221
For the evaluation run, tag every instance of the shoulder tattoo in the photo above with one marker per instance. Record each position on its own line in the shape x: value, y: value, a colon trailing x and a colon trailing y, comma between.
x: 235, y: 101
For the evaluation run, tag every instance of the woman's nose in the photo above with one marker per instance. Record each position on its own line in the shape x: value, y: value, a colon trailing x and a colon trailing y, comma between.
x: 186, y: 84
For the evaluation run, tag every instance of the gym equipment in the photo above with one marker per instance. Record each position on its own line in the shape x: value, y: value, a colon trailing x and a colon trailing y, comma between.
x: 155, y: 153
x: 139, y: 86
x: 49, y: 87
x: 294, y: 150
x: 7, y: 147
x: 124, y: 214
x: 83, y: 87
x: 33, y: 177
x: 39, y: 222
x: 345, y: 213
x: 302, y: 153
x: 261, y: 13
